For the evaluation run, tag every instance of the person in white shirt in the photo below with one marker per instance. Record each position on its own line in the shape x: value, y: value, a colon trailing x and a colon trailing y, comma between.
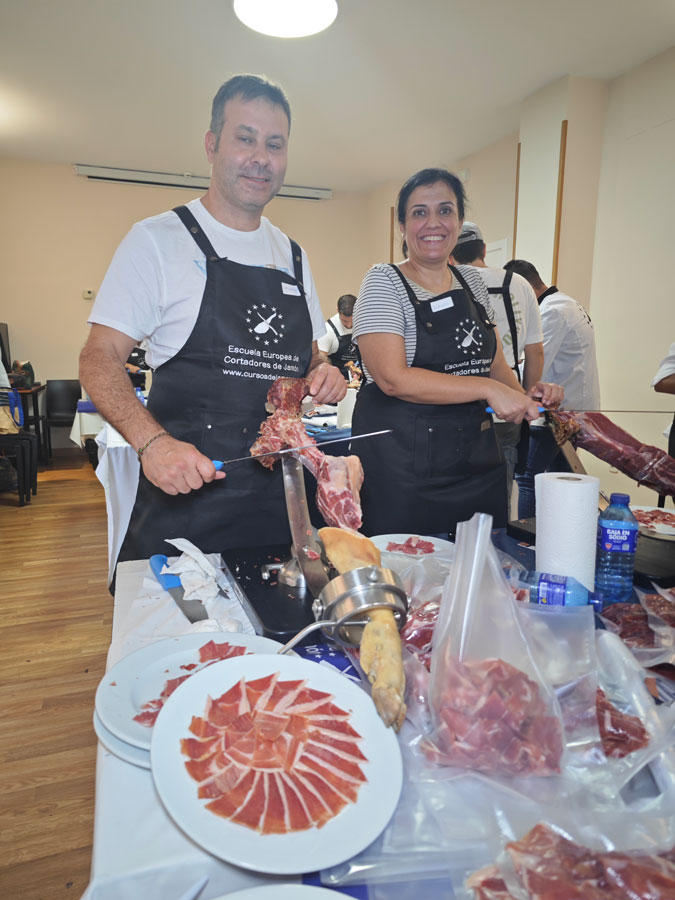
x: 337, y: 342
x: 226, y: 303
x: 664, y: 383
x: 569, y: 360
x: 519, y: 324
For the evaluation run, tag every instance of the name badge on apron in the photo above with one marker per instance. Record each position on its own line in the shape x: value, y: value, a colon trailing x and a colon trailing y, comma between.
x: 441, y: 303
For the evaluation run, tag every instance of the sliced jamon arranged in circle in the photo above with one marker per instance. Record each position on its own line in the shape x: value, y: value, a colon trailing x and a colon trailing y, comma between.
x: 209, y: 653
x: 275, y: 756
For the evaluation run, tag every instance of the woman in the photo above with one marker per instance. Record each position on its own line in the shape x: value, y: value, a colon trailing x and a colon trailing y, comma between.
x: 433, y: 362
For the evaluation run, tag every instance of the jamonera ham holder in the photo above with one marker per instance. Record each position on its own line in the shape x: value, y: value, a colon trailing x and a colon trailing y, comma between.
x: 339, y: 480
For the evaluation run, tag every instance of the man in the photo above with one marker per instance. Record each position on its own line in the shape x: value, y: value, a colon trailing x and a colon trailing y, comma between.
x: 663, y: 383
x: 519, y: 325
x: 569, y: 360
x: 337, y: 342
x: 226, y: 304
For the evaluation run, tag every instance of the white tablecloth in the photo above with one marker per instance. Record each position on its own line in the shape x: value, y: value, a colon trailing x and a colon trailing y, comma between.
x: 139, y: 854
x: 85, y: 425
x: 117, y: 470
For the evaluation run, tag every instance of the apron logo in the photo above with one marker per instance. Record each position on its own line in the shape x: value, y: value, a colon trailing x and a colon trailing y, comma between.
x: 265, y: 323
x: 466, y: 337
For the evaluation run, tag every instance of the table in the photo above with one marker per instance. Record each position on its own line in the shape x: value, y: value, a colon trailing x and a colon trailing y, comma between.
x: 35, y: 419
x: 85, y: 425
x: 118, y: 469
x: 138, y: 852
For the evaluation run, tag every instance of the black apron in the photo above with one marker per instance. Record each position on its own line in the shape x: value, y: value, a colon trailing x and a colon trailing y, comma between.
x: 347, y: 351
x: 524, y: 431
x: 442, y: 463
x: 253, y: 326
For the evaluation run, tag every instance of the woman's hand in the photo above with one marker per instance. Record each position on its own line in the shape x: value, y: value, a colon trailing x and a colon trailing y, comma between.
x: 548, y: 394
x: 510, y: 405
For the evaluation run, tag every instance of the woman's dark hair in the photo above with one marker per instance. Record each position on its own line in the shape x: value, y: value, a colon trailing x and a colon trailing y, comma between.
x: 426, y: 177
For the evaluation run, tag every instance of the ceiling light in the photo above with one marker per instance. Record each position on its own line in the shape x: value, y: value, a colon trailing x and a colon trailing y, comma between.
x: 286, y: 18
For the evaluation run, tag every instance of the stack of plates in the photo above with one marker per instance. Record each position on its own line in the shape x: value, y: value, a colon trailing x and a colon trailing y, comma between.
x: 319, y: 716
x: 140, y: 678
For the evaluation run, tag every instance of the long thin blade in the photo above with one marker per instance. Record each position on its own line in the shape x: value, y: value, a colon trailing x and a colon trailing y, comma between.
x: 219, y: 463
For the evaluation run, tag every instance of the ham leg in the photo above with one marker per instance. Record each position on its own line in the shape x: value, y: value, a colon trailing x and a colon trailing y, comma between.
x: 338, y: 478
x: 598, y: 435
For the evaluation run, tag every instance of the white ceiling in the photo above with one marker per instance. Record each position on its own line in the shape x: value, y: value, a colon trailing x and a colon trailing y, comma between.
x: 391, y: 87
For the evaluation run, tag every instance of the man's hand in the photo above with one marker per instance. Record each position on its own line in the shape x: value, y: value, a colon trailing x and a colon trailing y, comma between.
x: 327, y: 384
x: 548, y: 394
x: 177, y: 467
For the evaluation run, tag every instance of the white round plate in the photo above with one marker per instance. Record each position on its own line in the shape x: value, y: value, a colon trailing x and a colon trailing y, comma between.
x: 343, y: 836
x: 121, y: 749
x: 381, y: 541
x: 141, y: 676
x: 281, y: 892
x: 664, y: 532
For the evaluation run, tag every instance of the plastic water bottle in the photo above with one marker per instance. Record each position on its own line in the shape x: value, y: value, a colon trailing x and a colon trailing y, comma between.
x: 555, y: 590
x: 615, y: 561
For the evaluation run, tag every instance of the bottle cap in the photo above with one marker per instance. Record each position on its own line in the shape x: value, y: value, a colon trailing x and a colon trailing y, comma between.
x: 619, y: 498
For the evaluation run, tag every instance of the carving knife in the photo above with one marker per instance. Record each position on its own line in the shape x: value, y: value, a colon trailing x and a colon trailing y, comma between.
x: 219, y: 463
x: 193, y: 610
x: 542, y: 409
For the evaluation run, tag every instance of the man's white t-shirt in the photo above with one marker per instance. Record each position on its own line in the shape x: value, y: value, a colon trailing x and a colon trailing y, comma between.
x: 667, y: 366
x: 329, y: 343
x: 525, y: 311
x: 569, y: 351
x: 154, y: 285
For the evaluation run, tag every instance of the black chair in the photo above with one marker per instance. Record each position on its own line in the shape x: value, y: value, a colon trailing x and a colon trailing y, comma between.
x: 12, y: 447
x: 61, y: 406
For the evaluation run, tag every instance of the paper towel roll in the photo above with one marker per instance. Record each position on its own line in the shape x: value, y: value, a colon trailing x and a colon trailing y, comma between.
x: 345, y: 408
x: 567, y: 524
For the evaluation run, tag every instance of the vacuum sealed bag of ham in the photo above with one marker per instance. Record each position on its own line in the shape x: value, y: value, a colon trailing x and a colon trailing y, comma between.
x: 491, y: 709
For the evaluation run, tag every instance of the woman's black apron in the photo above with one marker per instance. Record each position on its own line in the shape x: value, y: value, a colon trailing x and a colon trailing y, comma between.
x: 253, y: 326
x: 442, y: 464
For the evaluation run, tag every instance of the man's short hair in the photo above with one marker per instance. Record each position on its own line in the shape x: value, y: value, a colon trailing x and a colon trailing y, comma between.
x: 345, y: 304
x: 468, y: 251
x: 526, y: 269
x: 248, y: 87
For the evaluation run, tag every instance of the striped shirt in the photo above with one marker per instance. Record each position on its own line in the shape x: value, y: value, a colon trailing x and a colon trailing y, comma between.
x: 383, y: 305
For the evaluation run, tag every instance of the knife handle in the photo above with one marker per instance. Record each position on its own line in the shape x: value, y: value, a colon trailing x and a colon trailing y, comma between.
x: 489, y: 409
x: 167, y: 580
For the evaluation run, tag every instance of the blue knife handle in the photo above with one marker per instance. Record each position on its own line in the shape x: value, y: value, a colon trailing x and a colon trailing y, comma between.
x: 157, y: 563
x: 489, y: 409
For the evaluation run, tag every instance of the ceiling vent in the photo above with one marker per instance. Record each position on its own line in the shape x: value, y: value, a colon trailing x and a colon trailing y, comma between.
x: 191, y: 182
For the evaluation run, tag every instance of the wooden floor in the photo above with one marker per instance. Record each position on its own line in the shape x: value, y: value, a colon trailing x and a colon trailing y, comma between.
x: 55, y: 624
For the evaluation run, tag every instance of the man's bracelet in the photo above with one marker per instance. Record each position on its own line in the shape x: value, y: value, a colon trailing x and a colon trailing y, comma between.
x: 141, y: 450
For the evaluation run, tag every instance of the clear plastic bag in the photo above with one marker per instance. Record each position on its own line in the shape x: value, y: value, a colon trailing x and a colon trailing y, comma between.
x: 492, y: 711
x: 576, y: 851
x: 649, y: 638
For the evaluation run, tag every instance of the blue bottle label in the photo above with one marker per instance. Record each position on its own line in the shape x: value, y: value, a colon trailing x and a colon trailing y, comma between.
x: 615, y: 536
x: 552, y: 590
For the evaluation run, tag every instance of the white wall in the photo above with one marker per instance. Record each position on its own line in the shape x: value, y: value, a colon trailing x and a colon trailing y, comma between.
x: 632, y: 295
x: 58, y: 232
